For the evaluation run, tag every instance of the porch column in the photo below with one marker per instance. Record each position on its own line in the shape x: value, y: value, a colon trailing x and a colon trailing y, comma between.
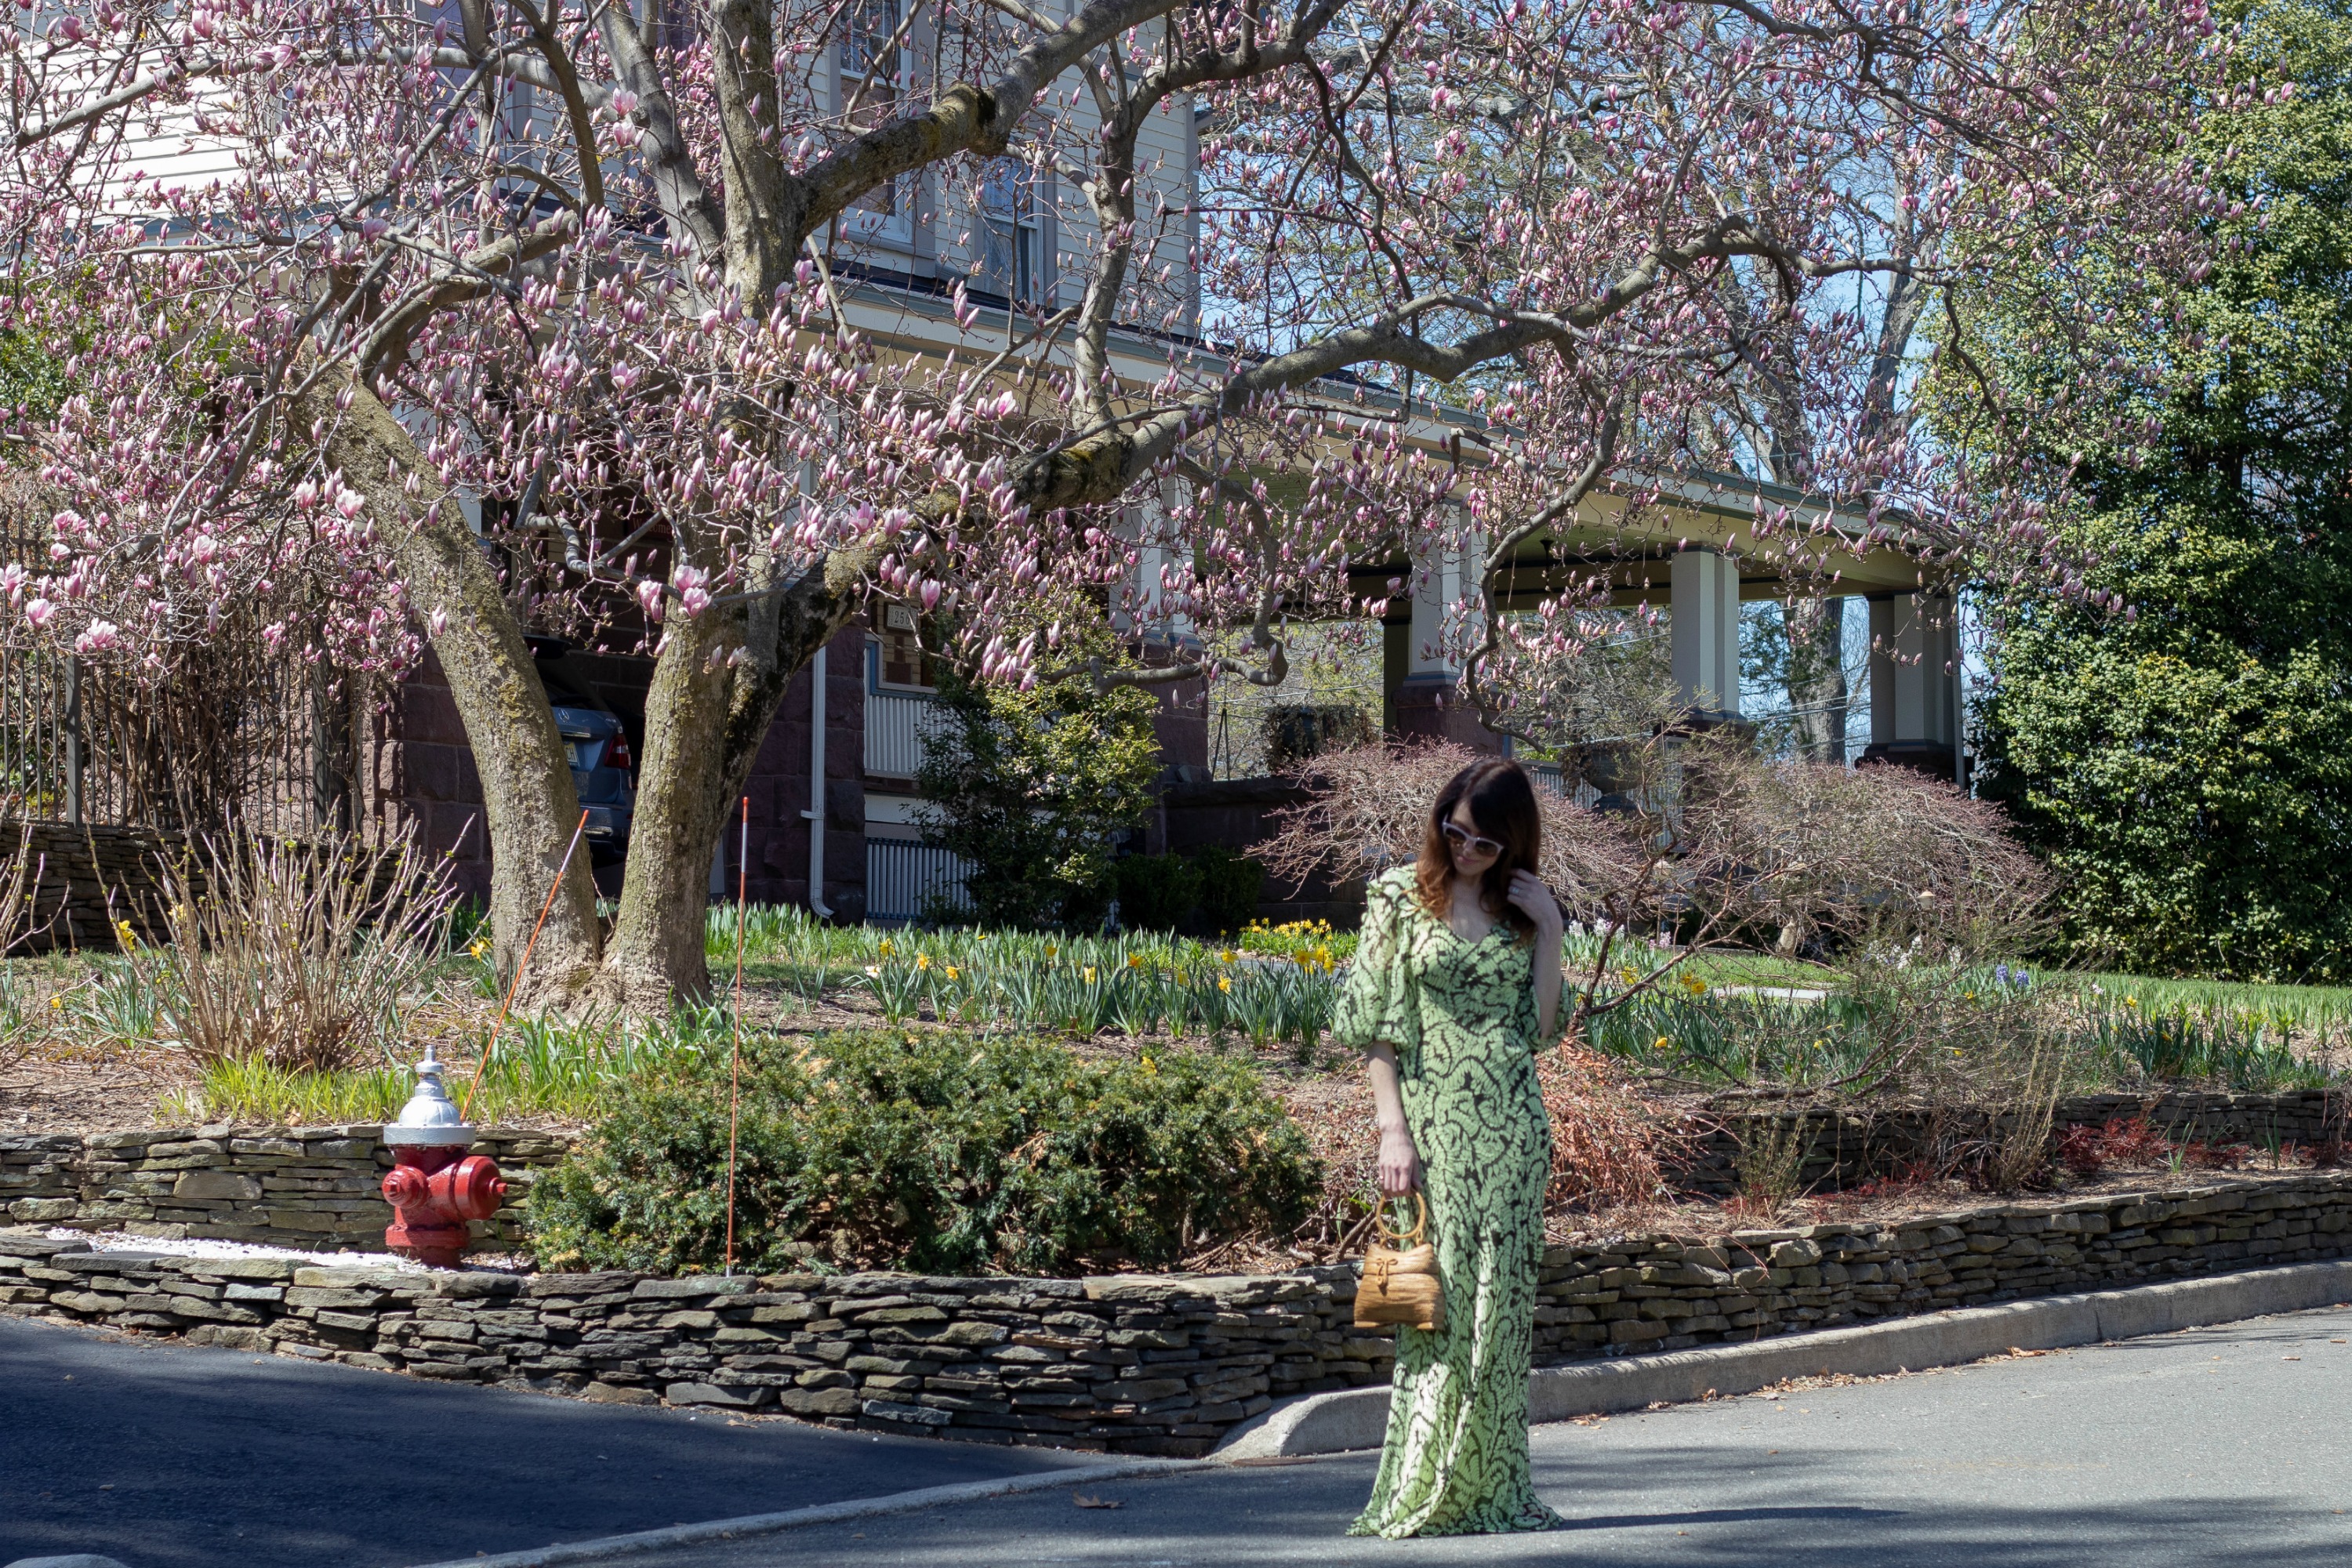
x: 1165, y: 638
x: 1915, y: 708
x: 1426, y: 702
x: 1705, y: 632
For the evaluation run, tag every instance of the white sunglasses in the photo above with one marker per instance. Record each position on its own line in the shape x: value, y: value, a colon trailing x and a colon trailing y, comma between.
x: 1467, y: 842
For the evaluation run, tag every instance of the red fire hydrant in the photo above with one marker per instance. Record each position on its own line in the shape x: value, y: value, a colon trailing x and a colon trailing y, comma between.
x: 435, y: 1186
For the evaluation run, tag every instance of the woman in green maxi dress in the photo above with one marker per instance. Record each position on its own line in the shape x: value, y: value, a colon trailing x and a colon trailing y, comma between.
x: 1450, y: 1003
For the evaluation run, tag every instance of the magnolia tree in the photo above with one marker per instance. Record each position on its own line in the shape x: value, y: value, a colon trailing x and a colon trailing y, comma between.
x: 581, y: 283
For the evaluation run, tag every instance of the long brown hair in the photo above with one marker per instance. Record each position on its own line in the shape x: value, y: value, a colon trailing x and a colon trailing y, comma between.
x: 1503, y: 805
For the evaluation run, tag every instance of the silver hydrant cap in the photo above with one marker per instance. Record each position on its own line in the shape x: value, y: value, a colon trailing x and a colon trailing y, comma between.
x: 430, y: 1117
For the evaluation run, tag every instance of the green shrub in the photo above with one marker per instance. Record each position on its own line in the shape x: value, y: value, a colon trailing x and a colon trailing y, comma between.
x: 1031, y: 787
x: 1156, y: 891
x: 943, y: 1152
x: 1230, y: 884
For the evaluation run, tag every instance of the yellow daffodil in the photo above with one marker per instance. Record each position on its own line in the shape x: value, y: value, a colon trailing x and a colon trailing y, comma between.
x: 922, y: 960
x: 1090, y: 972
x: 1225, y: 955
x: 887, y: 949
x: 1661, y: 1043
x: 1224, y: 983
x: 951, y: 972
x: 1135, y: 960
x: 1051, y: 950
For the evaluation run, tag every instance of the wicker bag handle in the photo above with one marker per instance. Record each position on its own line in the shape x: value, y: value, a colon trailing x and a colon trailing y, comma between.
x: 1401, y: 1239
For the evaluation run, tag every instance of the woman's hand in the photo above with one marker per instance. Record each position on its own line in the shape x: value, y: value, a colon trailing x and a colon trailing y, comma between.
x: 1533, y: 899
x: 1399, y: 1163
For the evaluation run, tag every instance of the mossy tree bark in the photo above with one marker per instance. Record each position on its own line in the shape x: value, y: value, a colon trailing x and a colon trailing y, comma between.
x: 530, y: 807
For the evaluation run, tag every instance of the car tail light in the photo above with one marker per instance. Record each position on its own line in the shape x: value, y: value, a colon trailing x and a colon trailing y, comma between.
x: 616, y: 752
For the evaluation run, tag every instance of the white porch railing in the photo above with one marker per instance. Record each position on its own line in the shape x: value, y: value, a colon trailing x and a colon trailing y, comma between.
x: 906, y: 880
x: 895, y: 725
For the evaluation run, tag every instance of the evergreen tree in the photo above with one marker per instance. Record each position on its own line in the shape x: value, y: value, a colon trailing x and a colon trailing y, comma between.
x: 2187, y: 764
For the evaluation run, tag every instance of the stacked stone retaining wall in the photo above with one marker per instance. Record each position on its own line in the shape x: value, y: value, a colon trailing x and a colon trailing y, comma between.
x: 1163, y: 1364
x: 84, y: 877
x: 309, y: 1187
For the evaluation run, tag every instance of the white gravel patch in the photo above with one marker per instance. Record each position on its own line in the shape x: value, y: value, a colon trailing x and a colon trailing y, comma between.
x: 122, y: 1241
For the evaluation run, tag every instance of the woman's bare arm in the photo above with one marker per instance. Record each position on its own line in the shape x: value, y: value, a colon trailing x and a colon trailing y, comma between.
x: 1399, y: 1170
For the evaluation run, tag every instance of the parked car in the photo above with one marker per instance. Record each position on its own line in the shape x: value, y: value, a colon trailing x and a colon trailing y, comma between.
x: 603, y: 769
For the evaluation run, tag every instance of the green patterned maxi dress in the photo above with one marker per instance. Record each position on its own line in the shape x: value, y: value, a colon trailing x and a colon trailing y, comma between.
x: 1462, y: 1017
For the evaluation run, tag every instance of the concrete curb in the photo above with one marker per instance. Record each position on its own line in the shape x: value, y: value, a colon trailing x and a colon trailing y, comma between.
x: 611, y: 1546
x: 1358, y: 1418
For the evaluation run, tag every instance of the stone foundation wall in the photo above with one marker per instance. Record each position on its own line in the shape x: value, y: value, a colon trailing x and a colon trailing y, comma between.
x: 313, y: 1187
x: 84, y: 879
x: 1163, y: 1364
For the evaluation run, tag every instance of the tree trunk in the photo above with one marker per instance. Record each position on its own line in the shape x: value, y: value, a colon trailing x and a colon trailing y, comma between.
x: 717, y: 686
x: 530, y: 806
x: 655, y: 957
x: 1817, y: 691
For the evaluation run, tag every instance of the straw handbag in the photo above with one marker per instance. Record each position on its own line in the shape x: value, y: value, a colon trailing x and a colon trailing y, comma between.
x: 1400, y: 1283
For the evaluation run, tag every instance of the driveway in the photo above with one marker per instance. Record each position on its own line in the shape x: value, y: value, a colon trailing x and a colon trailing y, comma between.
x: 167, y: 1455
x: 2218, y: 1447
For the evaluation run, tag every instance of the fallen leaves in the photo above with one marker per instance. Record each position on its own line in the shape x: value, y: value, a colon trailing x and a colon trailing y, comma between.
x: 1085, y: 1501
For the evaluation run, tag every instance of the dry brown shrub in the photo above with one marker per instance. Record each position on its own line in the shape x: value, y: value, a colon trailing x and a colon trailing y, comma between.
x: 1369, y: 805
x: 19, y: 1030
x: 297, y: 953
x: 1610, y: 1148
x: 1731, y: 847
x: 1814, y: 852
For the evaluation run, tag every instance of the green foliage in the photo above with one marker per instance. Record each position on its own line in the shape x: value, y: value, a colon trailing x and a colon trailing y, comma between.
x: 1952, y: 1033
x: 1230, y: 884
x: 942, y: 1153
x: 1137, y: 983
x: 1030, y: 786
x: 32, y: 383
x: 2189, y: 770
x: 1156, y: 891
x: 542, y: 1067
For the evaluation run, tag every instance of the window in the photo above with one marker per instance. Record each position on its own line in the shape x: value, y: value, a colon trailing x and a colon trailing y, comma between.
x: 1011, y: 238
x: 870, y: 78
x: 901, y: 660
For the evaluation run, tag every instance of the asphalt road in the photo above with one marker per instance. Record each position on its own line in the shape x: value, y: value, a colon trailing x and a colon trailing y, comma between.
x: 166, y: 1454
x: 2213, y: 1448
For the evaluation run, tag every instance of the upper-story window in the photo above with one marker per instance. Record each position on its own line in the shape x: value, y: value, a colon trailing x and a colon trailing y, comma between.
x: 901, y: 659
x: 1012, y: 241
x: 874, y: 68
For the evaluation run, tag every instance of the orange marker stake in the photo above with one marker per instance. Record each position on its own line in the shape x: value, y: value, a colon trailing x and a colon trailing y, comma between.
x: 464, y: 1111
x: 735, y: 1068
